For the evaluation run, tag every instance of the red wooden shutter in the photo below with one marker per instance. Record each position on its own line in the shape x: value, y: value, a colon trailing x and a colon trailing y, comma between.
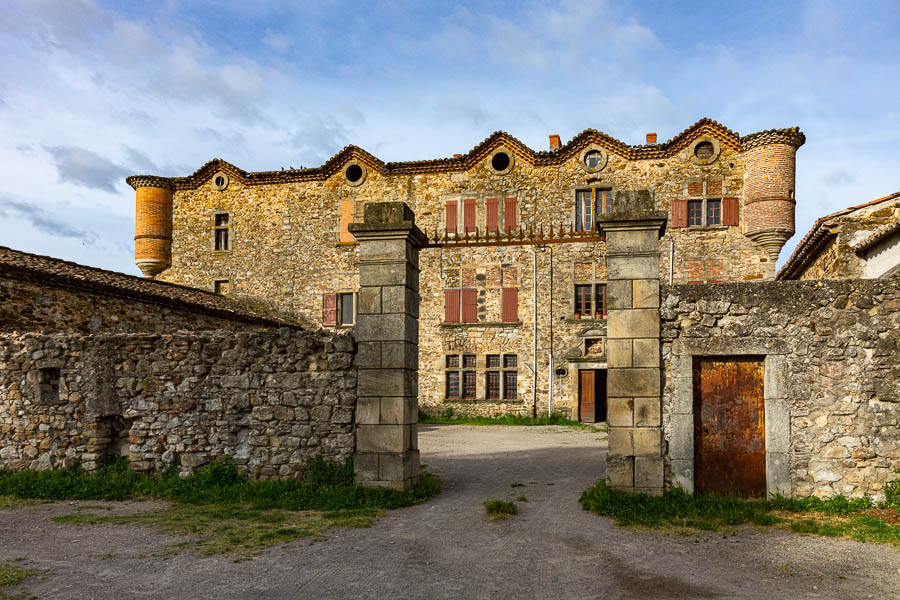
x: 329, y: 310
x: 510, y: 305
x: 492, y: 214
x: 451, y: 216
x: 729, y: 211
x: 469, y: 214
x: 451, y: 306
x: 469, y: 306
x: 679, y: 213
x: 511, y: 213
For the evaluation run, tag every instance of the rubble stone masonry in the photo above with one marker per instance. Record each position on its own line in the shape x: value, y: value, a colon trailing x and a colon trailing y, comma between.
x: 832, y: 377
x: 270, y: 400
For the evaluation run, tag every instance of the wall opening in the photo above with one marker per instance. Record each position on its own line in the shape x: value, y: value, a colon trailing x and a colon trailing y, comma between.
x: 48, y: 385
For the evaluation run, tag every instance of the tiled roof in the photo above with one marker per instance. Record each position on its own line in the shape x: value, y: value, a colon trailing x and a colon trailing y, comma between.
x: 876, y: 236
x: 808, y: 248
x: 463, y: 162
x: 92, y: 279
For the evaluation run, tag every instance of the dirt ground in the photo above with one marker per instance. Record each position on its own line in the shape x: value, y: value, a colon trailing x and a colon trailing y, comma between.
x: 447, y: 548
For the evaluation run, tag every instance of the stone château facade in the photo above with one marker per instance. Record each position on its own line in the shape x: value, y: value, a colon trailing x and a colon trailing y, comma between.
x: 513, y: 273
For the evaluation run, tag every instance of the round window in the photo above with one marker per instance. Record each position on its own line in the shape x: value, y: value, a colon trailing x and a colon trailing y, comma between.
x: 354, y: 173
x: 704, y: 150
x: 593, y: 160
x: 501, y: 161
x: 220, y: 181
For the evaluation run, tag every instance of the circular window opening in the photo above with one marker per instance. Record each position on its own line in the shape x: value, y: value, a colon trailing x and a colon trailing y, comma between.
x: 593, y: 160
x: 704, y: 150
x: 500, y: 161
x: 220, y: 181
x: 353, y: 173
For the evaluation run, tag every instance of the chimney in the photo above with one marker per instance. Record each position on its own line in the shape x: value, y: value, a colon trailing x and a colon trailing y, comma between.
x: 457, y: 155
x: 554, y: 142
x: 651, y: 138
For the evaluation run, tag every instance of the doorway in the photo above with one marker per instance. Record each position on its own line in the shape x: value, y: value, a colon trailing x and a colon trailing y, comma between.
x: 592, y: 395
x: 729, y: 426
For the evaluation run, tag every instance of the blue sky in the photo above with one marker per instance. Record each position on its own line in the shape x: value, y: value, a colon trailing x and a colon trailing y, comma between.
x: 92, y: 91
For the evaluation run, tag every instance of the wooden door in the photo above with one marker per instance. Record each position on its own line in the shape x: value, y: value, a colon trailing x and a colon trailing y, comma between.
x: 586, y: 396
x: 729, y: 426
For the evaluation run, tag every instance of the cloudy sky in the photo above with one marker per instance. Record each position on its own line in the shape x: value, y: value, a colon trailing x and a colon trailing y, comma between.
x: 93, y: 91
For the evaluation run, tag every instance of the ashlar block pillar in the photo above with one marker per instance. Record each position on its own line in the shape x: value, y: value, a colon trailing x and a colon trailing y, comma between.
x: 635, y: 459
x: 387, y: 333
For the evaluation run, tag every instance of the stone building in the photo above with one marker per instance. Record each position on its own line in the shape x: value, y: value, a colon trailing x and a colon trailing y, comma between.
x: 858, y: 242
x: 513, y: 272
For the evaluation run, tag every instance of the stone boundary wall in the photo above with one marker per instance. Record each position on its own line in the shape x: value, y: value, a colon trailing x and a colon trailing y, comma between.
x: 34, y: 302
x: 832, y: 377
x: 268, y: 399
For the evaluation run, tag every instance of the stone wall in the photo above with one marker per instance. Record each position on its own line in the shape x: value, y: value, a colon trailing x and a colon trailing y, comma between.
x: 287, y: 245
x: 832, y: 377
x: 270, y: 399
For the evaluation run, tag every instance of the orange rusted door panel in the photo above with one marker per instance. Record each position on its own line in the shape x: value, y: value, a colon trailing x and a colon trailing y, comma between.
x: 729, y: 426
x: 586, y: 411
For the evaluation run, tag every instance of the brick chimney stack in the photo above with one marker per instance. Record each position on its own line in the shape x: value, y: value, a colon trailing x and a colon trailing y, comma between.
x: 651, y: 138
x: 554, y: 142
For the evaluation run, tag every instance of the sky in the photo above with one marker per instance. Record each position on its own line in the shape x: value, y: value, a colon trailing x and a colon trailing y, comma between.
x: 92, y: 91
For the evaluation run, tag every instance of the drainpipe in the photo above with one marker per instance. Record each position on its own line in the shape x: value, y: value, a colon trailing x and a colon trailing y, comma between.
x: 534, y: 313
x: 550, y: 367
x: 671, y: 261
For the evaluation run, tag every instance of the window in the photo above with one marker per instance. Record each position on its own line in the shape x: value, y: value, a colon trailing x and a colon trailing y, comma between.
x: 49, y: 385
x: 590, y: 301
x: 222, y: 287
x: 593, y: 160
x: 509, y: 304
x: 695, y: 213
x: 222, y: 230
x: 510, y: 389
x: 461, y: 306
x: 713, y: 212
x: 346, y: 313
x: 589, y: 203
x: 460, y: 383
x: 492, y: 385
x: 583, y: 301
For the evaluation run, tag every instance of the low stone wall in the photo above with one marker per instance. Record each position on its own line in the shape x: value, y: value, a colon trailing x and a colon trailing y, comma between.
x: 268, y: 399
x: 832, y: 362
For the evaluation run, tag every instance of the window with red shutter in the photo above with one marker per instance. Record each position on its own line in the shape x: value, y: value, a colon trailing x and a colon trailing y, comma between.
x: 469, y: 306
x: 729, y: 211
x: 492, y: 206
x: 451, y: 306
x: 451, y: 216
x: 469, y: 214
x: 679, y: 213
x: 510, y: 305
x: 329, y: 310
x: 510, y: 213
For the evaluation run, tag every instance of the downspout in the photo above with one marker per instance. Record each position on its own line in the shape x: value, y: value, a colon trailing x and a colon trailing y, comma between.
x: 534, y: 313
x: 671, y: 261
x: 550, y: 365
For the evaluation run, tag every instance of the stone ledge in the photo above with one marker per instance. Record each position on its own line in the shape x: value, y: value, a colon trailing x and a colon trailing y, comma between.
x: 484, y: 324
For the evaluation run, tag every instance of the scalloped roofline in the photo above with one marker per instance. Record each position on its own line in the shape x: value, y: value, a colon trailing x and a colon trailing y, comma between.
x: 705, y: 126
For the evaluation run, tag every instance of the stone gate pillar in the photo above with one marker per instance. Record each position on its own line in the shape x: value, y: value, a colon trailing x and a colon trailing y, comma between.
x: 635, y: 459
x: 387, y: 332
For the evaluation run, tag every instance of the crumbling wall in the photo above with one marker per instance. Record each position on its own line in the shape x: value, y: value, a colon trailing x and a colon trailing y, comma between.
x: 267, y: 399
x: 838, y: 370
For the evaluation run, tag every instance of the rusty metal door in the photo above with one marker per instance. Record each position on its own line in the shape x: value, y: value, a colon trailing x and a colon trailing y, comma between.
x: 586, y: 410
x: 729, y: 426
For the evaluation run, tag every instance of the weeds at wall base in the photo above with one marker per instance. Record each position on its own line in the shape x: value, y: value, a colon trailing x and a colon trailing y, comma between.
x: 857, y: 518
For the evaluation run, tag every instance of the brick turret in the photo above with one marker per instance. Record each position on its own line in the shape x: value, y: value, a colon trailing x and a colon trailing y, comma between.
x: 153, y: 223
x: 769, y: 188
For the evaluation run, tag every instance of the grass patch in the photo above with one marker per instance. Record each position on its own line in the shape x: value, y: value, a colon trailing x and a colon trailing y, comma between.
x: 499, y: 509
x: 516, y: 484
x: 857, y: 518
x: 522, y: 499
x: 450, y: 419
x: 11, y: 576
x: 226, y: 510
x: 218, y: 530
x: 8, y: 501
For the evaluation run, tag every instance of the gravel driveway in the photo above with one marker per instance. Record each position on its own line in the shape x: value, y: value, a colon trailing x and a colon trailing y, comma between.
x: 447, y: 548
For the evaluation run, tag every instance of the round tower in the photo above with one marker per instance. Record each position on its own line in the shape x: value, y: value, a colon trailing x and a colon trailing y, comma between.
x: 153, y: 223
x: 770, y: 158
